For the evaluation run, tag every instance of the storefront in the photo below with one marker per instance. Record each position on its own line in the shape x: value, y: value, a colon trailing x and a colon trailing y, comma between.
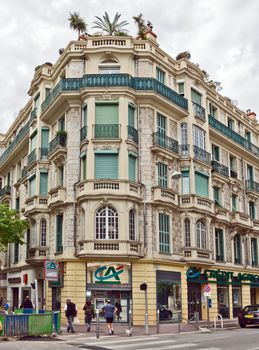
x: 109, y: 280
x: 169, y: 300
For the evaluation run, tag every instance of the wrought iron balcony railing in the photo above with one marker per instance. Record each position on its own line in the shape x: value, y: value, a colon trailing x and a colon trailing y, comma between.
x: 83, y: 133
x: 198, y: 111
x: 59, y: 141
x: 233, y: 135
x: 113, y: 80
x: 184, y: 150
x: 201, y: 154
x: 252, y: 185
x: 6, y: 190
x: 220, y: 168
x: 32, y: 157
x: 132, y: 133
x: 165, y: 142
x: 106, y: 131
x: 44, y: 153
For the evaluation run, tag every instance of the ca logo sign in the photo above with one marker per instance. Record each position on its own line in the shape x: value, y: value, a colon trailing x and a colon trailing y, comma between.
x: 109, y: 274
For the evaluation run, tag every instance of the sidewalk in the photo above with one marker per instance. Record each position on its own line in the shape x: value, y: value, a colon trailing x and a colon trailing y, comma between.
x: 121, y: 328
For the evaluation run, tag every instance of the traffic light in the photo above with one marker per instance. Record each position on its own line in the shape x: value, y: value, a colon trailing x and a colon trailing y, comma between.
x: 143, y: 286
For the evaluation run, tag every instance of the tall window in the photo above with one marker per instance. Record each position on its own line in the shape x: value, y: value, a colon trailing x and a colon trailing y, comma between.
x: 84, y: 115
x: 160, y: 75
x: 185, y: 182
x: 219, y: 244
x: 199, y: 137
x: 201, y: 184
x: 83, y: 167
x: 237, y: 249
x: 43, y: 184
x: 250, y: 173
x: 254, y: 251
x: 234, y: 202
x: 162, y: 174
x: 233, y: 166
x: 201, y: 235
x: 251, y: 209
x: 196, y: 97
x: 44, y: 143
x: 217, y: 195
x: 59, y: 233
x: 106, y: 165
x: 16, y: 253
x: 187, y: 233
x: 164, y: 233
x: 60, y: 175
x: 231, y: 124
x: 132, y: 225
x: 184, y: 134
x: 213, y: 110
x: 32, y: 186
x: 43, y: 233
x: 215, y: 153
x: 132, y: 167
x: 106, y: 223
x: 181, y: 89
x: 61, y: 124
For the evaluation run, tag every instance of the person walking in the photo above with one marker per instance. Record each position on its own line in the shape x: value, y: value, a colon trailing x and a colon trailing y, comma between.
x: 119, y: 309
x: 70, y: 312
x: 26, y: 304
x: 89, y: 314
x: 109, y: 311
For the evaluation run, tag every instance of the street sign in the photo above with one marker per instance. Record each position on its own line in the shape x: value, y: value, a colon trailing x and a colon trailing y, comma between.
x: 206, y: 288
x: 51, y: 270
x: 207, y: 294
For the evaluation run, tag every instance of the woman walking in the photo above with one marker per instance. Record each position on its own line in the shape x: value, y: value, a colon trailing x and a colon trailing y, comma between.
x: 89, y: 314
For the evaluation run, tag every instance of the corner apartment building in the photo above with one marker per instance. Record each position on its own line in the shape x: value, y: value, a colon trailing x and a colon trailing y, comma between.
x: 89, y: 163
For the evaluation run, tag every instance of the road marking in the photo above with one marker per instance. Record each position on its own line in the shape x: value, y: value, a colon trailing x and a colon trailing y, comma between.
x: 118, y: 345
x: 177, y: 346
x: 205, y: 339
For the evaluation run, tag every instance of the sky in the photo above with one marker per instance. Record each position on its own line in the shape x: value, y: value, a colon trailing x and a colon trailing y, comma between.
x: 221, y: 35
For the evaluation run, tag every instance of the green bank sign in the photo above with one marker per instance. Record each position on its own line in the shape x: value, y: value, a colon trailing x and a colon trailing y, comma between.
x: 193, y: 273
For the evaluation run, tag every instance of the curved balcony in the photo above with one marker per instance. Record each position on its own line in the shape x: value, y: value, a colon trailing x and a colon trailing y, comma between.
x: 252, y: 186
x: 100, y: 188
x: 36, y: 255
x: 198, y: 111
x: 132, y: 134
x: 57, y: 196
x: 219, y: 168
x: 201, y: 154
x: 192, y: 254
x: 58, y: 147
x: 166, y: 142
x: 194, y: 202
x: 165, y: 195
x: 36, y: 204
x: 240, y: 219
x: 110, y: 248
x: 83, y: 133
x: 106, y: 131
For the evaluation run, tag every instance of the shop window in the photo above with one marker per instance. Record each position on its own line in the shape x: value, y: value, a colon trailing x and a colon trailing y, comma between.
x: 223, y: 301
x: 162, y: 174
x: 187, y: 233
x: 201, y: 235
x: 237, y: 300
x: 106, y: 223
x: 132, y: 225
x: 43, y: 233
x: 219, y: 244
x: 164, y: 233
x: 237, y: 249
x: 254, y: 251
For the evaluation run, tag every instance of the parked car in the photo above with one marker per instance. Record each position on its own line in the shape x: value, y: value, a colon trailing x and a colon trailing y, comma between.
x: 249, y: 315
x: 164, y: 313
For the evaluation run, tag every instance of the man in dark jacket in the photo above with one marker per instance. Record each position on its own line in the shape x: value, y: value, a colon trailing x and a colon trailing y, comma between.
x: 26, y: 304
x: 71, y: 312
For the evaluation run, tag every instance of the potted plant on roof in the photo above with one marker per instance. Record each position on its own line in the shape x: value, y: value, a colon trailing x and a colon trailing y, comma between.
x: 111, y: 27
x: 77, y: 23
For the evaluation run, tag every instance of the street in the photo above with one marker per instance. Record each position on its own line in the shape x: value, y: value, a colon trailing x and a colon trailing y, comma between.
x: 238, y: 339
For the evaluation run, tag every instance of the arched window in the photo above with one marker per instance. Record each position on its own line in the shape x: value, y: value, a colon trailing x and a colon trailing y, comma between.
x: 201, y: 234
x: 187, y: 233
x: 43, y: 233
x: 132, y: 225
x: 106, y: 223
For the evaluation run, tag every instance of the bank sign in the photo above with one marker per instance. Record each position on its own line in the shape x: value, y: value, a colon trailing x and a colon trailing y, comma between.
x: 193, y: 273
x: 108, y: 274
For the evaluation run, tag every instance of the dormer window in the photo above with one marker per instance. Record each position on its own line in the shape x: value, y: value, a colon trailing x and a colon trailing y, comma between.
x: 109, y: 67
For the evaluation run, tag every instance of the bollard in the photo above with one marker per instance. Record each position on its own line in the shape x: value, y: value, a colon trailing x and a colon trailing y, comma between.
x: 197, y: 320
x: 97, y: 324
x: 179, y: 320
x: 157, y: 321
x: 130, y: 319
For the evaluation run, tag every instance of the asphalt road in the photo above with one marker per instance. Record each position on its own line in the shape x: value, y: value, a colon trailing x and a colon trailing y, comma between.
x: 238, y: 339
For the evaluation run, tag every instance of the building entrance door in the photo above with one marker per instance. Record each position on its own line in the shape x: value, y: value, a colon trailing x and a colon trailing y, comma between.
x: 194, y: 300
x: 15, y: 298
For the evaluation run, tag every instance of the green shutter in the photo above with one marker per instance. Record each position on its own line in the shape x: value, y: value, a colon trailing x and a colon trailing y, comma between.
x: 201, y: 185
x: 131, y: 114
x: 164, y: 235
x: 43, y: 184
x: 106, y: 166
x: 132, y: 168
x: 32, y: 186
x: 33, y: 142
x: 185, y: 182
x: 106, y: 113
x: 59, y: 233
x: 44, y: 138
x: 196, y: 97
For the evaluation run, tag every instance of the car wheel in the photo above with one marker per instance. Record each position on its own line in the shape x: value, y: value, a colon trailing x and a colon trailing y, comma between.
x: 169, y: 316
x: 242, y: 324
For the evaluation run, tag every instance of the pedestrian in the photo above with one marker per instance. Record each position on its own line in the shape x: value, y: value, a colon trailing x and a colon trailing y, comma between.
x: 89, y: 314
x: 70, y: 312
x: 109, y: 311
x: 26, y: 304
x: 119, y: 309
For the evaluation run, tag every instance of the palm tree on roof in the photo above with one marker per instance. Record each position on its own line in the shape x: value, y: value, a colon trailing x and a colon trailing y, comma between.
x: 77, y: 23
x: 111, y: 27
x: 139, y: 20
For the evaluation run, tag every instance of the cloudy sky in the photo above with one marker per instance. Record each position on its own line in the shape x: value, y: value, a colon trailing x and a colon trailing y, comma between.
x: 221, y: 35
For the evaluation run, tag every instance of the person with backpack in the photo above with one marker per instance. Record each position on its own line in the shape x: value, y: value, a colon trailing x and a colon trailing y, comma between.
x: 89, y: 314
